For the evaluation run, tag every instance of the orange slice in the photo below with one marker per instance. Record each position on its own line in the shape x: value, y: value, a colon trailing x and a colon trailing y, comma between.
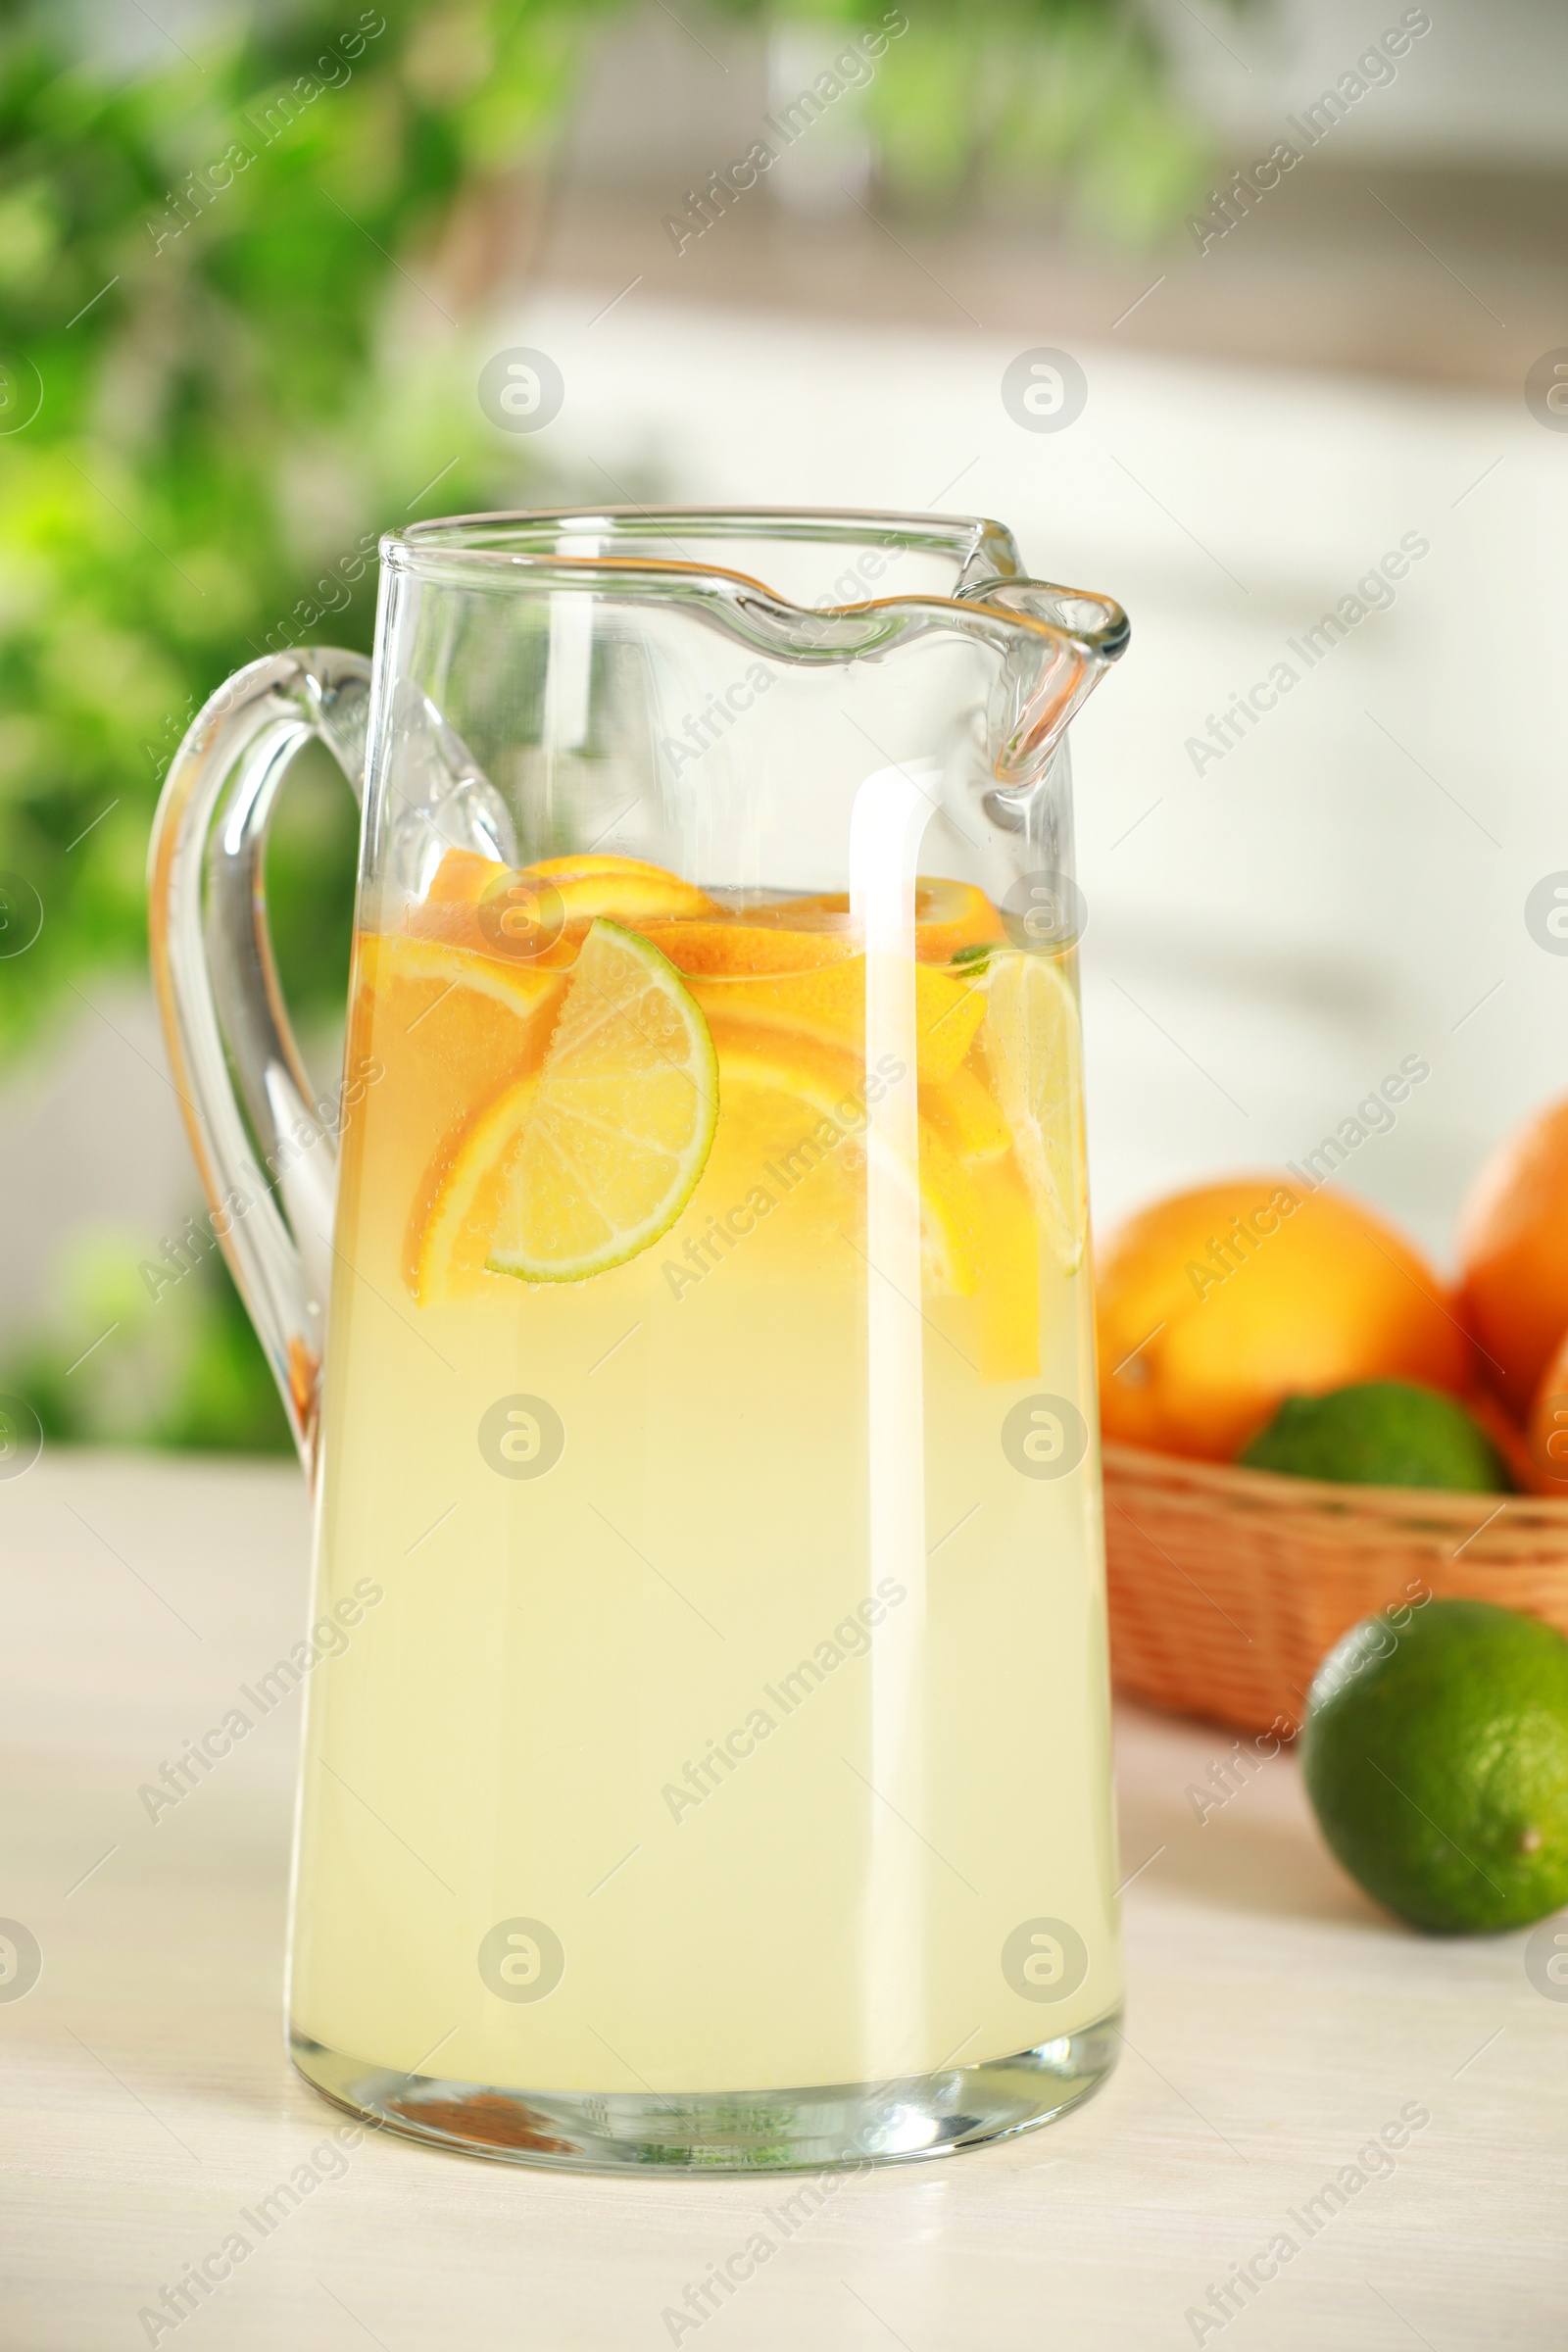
x: 625, y: 888
x: 828, y: 1006
x: 583, y: 1162
x: 773, y: 970
x: 540, y: 913
x: 736, y: 948
x: 964, y: 1114
x: 1006, y: 1308
x: 450, y: 1030
x: 948, y: 915
x: 831, y: 1084
x: 420, y: 970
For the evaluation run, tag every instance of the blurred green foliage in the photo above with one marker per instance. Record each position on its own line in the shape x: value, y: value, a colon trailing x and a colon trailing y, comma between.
x: 196, y: 262
x: 1004, y: 98
x: 182, y: 1369
x: 230, y: 354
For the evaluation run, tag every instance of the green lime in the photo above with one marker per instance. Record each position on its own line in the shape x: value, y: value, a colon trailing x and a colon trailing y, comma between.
x: 1380, y: 1433
x: 1436, y: 1756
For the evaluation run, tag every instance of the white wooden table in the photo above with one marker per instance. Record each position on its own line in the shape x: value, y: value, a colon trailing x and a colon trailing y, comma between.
x: 1277, y: 2024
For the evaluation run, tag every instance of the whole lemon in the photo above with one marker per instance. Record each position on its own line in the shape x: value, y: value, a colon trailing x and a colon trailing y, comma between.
x: 1216, y: 1305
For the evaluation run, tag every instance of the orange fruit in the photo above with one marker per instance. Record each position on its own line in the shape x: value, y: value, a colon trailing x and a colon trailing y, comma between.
x: 1546, y: 1449
x: 798, y: 934
x: 1513, y: 1256
x: 963, y: 1111
x: 1006, y: 1308
x: 1216, y: 1305
x: 1516, y: 1445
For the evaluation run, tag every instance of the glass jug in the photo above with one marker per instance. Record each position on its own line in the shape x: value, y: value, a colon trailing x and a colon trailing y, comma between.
x: 684, y: 1317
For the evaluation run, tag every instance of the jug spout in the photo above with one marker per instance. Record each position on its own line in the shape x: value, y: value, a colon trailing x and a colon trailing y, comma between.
x: 1049, y: 668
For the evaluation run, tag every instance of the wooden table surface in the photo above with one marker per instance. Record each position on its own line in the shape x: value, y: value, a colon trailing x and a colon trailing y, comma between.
x: 1276, y: 2024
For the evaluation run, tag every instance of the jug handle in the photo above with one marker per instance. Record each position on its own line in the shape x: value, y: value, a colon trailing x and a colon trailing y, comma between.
x: 265, y: 1148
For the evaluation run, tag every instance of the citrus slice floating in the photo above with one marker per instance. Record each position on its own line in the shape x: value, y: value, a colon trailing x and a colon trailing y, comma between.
x: 421, y: 973
x: 596, y: 883
x: 831, y: 1086
x: 1031, y: 1042
x: 964, y: 1114
x: 1007, y: 1306
x: 539, y: 915
x: 449, y: 1031
x: 601, y: 1149
x: 948, y: 915
x: 459, y: 1201
x: 825, y: 1004
x: 749, y: 946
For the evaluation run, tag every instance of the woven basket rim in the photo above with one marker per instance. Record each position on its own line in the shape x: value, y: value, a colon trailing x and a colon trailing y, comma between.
x: 1353, y: 1511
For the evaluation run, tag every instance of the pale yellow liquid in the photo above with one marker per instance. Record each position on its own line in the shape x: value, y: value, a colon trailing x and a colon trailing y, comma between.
x: 502, y: 1738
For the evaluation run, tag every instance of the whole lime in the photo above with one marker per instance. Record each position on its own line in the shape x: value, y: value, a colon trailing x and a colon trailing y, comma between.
x: 1436, y: 1756
x: 1380, y: 1433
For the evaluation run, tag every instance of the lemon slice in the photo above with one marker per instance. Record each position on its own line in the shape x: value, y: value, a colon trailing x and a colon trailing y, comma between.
x: 607, y: 1142
x: 1031, y: 1040
x: 832, y: 1086
x: 965, y: 1114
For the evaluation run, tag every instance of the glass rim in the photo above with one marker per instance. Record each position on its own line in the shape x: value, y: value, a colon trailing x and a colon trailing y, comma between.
x: 485, y: 545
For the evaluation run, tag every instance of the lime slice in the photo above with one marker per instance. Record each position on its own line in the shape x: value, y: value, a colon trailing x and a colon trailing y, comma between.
x: 1031, y: 1040
x: 614, y: 1132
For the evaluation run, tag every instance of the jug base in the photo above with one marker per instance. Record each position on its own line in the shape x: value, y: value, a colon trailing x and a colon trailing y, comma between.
x: 817, y: 2129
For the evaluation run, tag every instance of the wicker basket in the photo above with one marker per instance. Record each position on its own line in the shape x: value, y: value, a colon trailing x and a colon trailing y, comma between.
x: 1228, y: 1585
